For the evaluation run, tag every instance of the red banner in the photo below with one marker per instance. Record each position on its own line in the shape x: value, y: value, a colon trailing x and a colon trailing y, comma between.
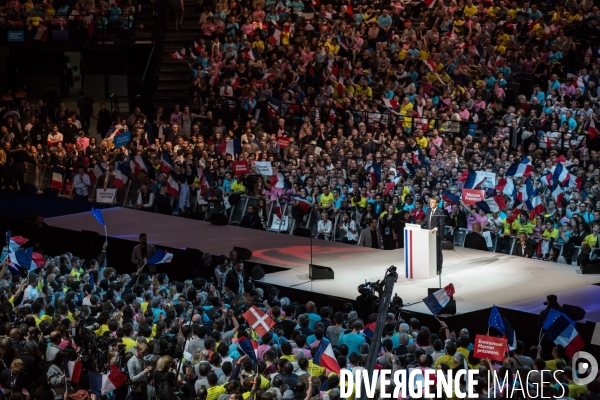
x: 489, y: 347
x: 283, y: 142
x: 240, y: 167
x: 68, y: 187
x: 472, y: 196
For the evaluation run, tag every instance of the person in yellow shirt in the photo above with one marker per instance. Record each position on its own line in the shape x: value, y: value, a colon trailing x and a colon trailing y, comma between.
x: 214, y: 390
x: 550, y: 233
x: 127, y: 339
x: 421, y: 139
x: 448, y: 358
x: 326, y: 201
x: 238, y: 185
x: 592, y: 239
x: 469, y: 9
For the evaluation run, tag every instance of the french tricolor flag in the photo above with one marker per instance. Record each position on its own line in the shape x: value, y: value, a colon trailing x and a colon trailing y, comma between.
x: 254, y: 54
x: 409, y: 169
x: 235, y: 81
x: 534, y: 205
x: 172, y: 184
x: 325, y: 356
x: 14, y: 242
x: 72, y: 370
x: 160, y: 257
x: 507, y: 187
x: 166, y: 162
x: 519, y: 170
x: 450, y: 198
x: 391, y: 103
x: 121, y: 175
x: 474, y: 179
x: 97, y: 172
x: 302, y: 203
x: 232, y: 146
x: 492, y: 204
x: 547, y: 180
x: 137, y: 165
x: 102, y: 384
x: 176, y: 56
x: 57, y: 177
x: 438, y: 300
x: 558, y: 195
x: 591, y: 130
x: 561, y: 174
x: 430, y: 64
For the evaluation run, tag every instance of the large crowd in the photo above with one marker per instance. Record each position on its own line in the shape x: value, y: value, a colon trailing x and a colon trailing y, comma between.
x: 365, y: 109
x: 77, y: 329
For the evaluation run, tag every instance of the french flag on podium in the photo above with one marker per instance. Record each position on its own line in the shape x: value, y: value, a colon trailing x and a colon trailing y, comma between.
x: 325, y: 357
x: 439, y: 299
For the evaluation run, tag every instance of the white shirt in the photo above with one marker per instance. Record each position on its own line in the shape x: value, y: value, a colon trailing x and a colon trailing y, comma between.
x: 30, y: 293
x: 184, y: 196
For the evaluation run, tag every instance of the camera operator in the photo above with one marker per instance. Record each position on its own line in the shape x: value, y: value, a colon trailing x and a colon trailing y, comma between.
x: 139, y: 372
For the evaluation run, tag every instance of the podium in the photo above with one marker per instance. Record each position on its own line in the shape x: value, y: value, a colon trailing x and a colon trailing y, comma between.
x: 419, y: 252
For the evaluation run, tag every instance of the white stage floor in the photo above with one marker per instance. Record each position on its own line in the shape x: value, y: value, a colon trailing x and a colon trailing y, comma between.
x: 481, y: 279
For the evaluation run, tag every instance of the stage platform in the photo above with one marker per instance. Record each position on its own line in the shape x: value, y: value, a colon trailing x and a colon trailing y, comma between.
x: 480, y: 278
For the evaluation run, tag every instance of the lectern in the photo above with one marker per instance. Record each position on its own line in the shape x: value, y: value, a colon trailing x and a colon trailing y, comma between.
x: 419, y: 252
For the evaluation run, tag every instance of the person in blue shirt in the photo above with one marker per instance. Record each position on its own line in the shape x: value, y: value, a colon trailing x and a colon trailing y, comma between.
x: 312, y: 316
x: 353, y: 339
x: 384, y: 21
x: 534, y: 13
x: 156, y: 310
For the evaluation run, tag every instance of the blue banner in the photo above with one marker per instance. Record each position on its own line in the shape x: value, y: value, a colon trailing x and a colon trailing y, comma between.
x: 15, y: 36
x: 122, y: 140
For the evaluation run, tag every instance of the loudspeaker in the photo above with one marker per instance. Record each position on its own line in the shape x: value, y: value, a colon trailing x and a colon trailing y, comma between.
x: 450, y: 308
x: 257, y: 273
x: 447, y: 245
x: 318, y: 272
x: 302, y: 232
x: 591, y: 268
x: 219, y: 219
x: 243, y: 253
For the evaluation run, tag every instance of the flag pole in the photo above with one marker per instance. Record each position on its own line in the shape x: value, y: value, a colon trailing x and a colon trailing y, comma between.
x: 105, y: 234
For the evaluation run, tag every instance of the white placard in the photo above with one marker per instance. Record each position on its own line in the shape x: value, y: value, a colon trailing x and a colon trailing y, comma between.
x: 490, y: 180
x: 264, y: 167
x: 105, y: 195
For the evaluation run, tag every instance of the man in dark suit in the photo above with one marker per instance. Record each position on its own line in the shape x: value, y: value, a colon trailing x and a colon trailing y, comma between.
x: 434, y: 221
x: 522, y: 247
x: 251, y: 220
x: 474, y: 240
x: 237, y: 278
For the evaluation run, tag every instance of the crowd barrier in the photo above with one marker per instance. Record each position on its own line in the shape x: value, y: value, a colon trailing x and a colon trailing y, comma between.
x: 41, y: 178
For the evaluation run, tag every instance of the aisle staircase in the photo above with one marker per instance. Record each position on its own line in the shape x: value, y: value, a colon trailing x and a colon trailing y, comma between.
x: 173, y: 85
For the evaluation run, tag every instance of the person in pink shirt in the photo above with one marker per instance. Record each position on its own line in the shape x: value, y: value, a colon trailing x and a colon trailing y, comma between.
x: 258, y: 15
x: 463, y: 112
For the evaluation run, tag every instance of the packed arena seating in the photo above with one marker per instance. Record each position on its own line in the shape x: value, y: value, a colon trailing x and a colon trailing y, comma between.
x: 364, y: 111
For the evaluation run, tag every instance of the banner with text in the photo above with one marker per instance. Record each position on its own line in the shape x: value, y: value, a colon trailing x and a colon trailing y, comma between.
x: 490, y: 347
x: 240, y: 167
x: 105, y: 195
x: 122, y: 140
x: 264, y: 168
x: 472, y: 196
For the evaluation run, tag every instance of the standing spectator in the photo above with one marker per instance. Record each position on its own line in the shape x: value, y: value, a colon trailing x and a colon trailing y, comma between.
x: 86, y: 110
x: 81, y: 183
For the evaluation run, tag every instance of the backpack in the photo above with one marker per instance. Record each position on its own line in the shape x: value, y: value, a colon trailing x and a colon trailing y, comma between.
x: 164, y: 391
